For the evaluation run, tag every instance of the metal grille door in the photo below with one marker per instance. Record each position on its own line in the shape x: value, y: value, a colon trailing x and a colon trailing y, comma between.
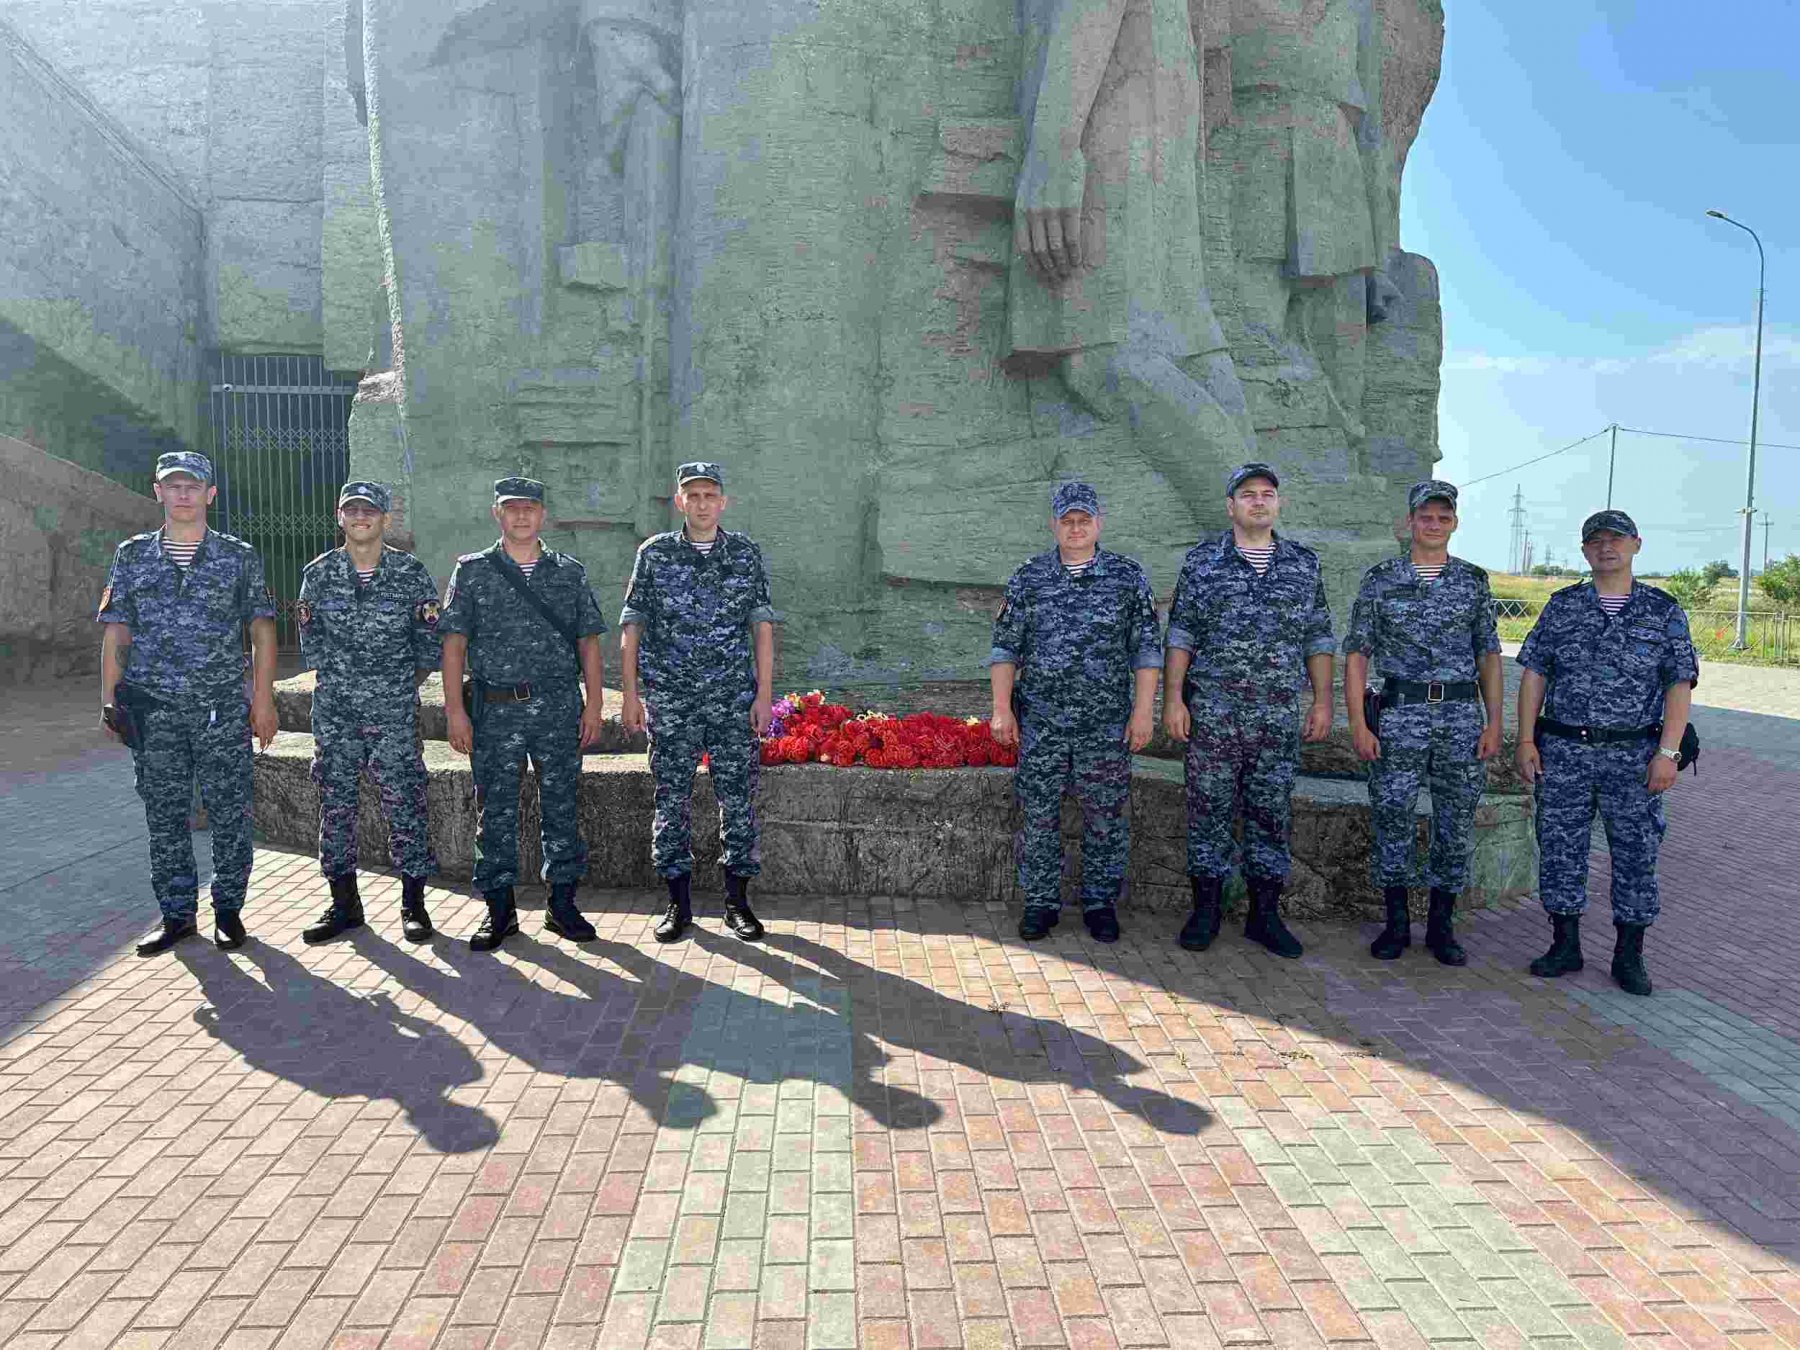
x: 281, y: 449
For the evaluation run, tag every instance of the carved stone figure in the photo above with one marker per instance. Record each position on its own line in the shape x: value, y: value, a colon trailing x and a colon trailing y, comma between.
x: 1108, y: 273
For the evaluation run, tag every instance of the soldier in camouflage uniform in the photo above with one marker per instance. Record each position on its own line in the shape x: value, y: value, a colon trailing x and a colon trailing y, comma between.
x: 1609, y: 675
x: 698, y: 638
x: 1248, y: 625
x: 1424, y: 622
x: 1073, y: 668
x: 173, y: 686
x: 368, y: 619
x: 522, y: 620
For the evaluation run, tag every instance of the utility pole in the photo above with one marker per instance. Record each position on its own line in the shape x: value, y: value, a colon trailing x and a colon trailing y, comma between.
x: 1517, y: 553
x: 1525, y: 556
x: 1612, y: 460
x: 1742, y: 641
x: 1765, y: 566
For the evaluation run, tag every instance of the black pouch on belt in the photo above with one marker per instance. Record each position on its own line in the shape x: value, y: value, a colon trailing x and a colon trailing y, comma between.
x: 1372, y: 710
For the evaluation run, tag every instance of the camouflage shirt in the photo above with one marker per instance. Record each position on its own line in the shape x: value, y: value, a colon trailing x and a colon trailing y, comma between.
x: 186, y: 624
x: 1077, y: 640
x: 509, y: 642
x: 695, y: 611
x: 367, y: 640
x: 1245, y: 629
x: 1609, y: 670
x: 1423, y: 630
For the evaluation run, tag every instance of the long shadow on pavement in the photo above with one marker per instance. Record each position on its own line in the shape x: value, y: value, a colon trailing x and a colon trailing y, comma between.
x: 328, y: 1040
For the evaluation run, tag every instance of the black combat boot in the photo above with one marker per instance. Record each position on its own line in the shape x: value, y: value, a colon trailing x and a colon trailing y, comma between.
x: 1102, y: 923
x: 1037, y: 921
x: 1264, y: 924
x: 563, y: 918
x: 1397, y: 936
x: 415, y: 923
x: 501, y: 923
x: 1628, y: 959
x: 738, y: 917
x: 344, y: 913
x: 1440, y: 938
x: 228, y: 930
x: 172, y: 931
x: 1564, y: 956
x: 1202, y: 926
x: 680, y: 913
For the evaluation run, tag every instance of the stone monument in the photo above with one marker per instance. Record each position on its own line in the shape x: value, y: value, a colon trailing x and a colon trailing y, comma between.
x: 902, y: 264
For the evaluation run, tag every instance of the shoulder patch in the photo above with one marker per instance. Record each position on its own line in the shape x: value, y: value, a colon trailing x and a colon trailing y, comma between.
x: 303, y: 612
x: 316, y: 561
x: 1661, y: 594
x: 105, y: 600
x: 469, y: 557
x: 428, y: 612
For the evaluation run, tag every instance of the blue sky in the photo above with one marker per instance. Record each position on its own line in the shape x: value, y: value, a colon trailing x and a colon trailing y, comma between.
x: 1560, y: 184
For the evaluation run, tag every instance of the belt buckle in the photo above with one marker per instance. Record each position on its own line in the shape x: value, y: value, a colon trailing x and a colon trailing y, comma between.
x: 1434, y: 692
x: 521, y: 693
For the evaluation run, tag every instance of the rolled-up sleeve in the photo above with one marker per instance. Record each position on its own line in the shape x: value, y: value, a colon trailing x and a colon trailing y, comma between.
x: 1361, y: 635
x: 1679, y: 662
x: 640, y: 593
x: 1184, y: 612
x: 1319, y: 638
x: 762, y: 609
x: 1537, y: 653
x: 1487, y: 622
x: 1011, y: 628
x: 1147, y: 653
x: 459, y: 606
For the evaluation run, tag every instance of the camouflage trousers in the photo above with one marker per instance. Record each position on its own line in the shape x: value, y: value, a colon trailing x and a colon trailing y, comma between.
x: 546, y: 728
x: 679, y: 735
x: 349, y: 741
x: 1426, y: 744
x: 1241, y: 756
x: 1095, y: 768
x: 179, y: 744
x: 1578, y: 780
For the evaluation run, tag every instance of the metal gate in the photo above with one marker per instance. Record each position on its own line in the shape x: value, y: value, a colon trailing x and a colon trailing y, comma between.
x: 281, y: 449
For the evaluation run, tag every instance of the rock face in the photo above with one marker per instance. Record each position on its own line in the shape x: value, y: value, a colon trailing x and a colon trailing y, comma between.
x: 59, y: 524
x: 797, y: 236
x: 944, y: 835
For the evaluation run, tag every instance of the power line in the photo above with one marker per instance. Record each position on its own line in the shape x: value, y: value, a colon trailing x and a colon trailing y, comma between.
x: 1715, y: 440
x: 1572, y: 445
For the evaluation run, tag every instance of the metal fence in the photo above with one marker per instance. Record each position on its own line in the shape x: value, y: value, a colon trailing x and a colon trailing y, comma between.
x: 1510, y: 608
x: 281, y: 449
x: 1770, y: 637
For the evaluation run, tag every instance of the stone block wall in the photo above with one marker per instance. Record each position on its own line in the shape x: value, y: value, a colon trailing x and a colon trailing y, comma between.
x: 59, y: 524
x: 101, y: 310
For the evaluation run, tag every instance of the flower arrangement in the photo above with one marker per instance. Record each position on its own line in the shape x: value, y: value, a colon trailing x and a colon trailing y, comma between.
x: 805, y: 729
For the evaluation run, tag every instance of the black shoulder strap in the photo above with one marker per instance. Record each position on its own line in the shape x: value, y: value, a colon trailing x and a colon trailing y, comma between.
x: 516, y: 579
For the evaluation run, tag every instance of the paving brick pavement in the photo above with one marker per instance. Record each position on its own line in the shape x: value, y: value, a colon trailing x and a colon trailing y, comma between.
x: 892, y: 1125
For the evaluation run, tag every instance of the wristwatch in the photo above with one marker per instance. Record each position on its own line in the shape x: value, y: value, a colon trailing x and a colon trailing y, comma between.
x: 1673, y: 756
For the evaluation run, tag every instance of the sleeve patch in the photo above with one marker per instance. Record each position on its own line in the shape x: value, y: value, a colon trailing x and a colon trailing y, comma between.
x: 303, y: 612
x: 428, y: 613
x: 106, y: 599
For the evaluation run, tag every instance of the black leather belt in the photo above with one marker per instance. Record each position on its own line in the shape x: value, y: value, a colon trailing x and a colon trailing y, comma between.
x: 1598, y: 735
x: 506, y: 693
x: 1394, y: 693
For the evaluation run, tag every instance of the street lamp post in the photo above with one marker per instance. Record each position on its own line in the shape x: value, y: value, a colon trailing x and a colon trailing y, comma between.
x: 1762, y: 274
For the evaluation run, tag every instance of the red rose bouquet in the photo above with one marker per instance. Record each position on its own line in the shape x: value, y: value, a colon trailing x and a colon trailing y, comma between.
x: 806, y: 729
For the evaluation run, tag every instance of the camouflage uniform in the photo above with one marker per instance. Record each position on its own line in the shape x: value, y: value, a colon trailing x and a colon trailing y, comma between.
x: 367, y: 641
x: 1604, y: 671
x: 697, y: 669
x: 1250, y: 637
x: 1077, y: 643
x: 185, y: 679
x: 512, y: 648
x: 1428, y: 632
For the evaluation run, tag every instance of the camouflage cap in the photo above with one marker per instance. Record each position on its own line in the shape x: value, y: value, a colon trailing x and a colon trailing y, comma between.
x: 710, y: 470
x: 1245, y: 472
x: 374, y: 494
x: 184, y: 461
x: 1431, y: 490
x: 518, y: 490
x: 1074, y: 495
x: 1615, y: 521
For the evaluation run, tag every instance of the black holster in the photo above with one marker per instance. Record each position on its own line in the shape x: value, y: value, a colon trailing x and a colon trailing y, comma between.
x: 1372, y: 710
x: 474, y: 694
x: 125, y: 715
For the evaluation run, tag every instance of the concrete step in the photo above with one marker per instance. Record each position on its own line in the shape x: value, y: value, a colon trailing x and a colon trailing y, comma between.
x: 938, y: 835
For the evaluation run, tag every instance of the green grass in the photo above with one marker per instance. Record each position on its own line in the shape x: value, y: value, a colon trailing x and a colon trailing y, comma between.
x: 1774, y: 639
